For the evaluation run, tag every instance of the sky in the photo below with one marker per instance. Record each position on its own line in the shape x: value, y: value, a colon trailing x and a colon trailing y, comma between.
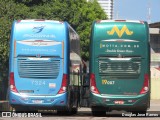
x: 137, y: 10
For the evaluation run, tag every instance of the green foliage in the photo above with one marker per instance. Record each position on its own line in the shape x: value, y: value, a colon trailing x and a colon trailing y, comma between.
x: 8, y: 11
x: 79, y: 13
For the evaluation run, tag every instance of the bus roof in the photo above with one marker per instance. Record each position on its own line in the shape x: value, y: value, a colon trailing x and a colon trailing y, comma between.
x: 133, y: 21
x: 120, y: 29
x: 39, y: 29
x: 39, y: 20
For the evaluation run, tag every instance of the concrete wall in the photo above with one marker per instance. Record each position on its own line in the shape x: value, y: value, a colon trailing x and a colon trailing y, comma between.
x: 155, y: 60
x: 155, y: 83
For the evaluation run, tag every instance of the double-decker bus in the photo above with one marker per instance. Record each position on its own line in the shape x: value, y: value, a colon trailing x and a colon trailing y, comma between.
x: 43, y: 55
x: 119, y: 66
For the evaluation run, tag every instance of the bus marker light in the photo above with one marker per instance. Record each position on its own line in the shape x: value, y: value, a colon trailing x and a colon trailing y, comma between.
x: 142, y: 22
x: 18, y: 21
x: 98, y: 21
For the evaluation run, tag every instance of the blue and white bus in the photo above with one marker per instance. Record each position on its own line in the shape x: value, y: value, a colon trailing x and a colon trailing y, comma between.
x: 43, y: 55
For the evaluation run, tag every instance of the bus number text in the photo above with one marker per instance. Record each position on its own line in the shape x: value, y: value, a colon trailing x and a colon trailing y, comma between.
x: 37, y: 82
x: 106, y: 82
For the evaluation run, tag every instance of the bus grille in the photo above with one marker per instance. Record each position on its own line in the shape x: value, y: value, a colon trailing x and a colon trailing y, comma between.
x: 38, y: 69
x: 119, y: 70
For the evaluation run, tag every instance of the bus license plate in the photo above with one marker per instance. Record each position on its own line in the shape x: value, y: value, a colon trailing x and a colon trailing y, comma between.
x: 120, y: 102
x: 37, y: 101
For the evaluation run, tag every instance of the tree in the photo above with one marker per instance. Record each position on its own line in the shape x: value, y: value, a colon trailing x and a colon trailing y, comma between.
x: 8, y: 12
x: 79, y: 13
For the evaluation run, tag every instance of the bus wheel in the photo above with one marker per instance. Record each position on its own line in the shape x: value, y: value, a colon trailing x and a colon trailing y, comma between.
x: 98, y: 111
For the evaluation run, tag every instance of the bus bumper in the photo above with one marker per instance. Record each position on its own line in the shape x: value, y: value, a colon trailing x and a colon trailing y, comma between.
x: 57, y: 101
x: 119, y: 102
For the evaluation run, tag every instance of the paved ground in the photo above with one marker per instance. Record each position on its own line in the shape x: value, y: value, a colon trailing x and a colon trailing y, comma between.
x: 85, y: 113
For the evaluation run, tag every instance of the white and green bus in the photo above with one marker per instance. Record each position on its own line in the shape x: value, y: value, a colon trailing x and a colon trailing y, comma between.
x: 119, y: 66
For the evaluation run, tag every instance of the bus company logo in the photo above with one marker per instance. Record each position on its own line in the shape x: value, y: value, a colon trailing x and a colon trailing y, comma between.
x: 38, y: 29
x: 120, y: 32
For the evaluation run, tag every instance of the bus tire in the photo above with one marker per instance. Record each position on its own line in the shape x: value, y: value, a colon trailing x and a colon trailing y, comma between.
x: 98, y: 111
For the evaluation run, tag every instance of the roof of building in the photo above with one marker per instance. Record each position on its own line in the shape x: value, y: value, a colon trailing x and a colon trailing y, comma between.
x: 154, y: 25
